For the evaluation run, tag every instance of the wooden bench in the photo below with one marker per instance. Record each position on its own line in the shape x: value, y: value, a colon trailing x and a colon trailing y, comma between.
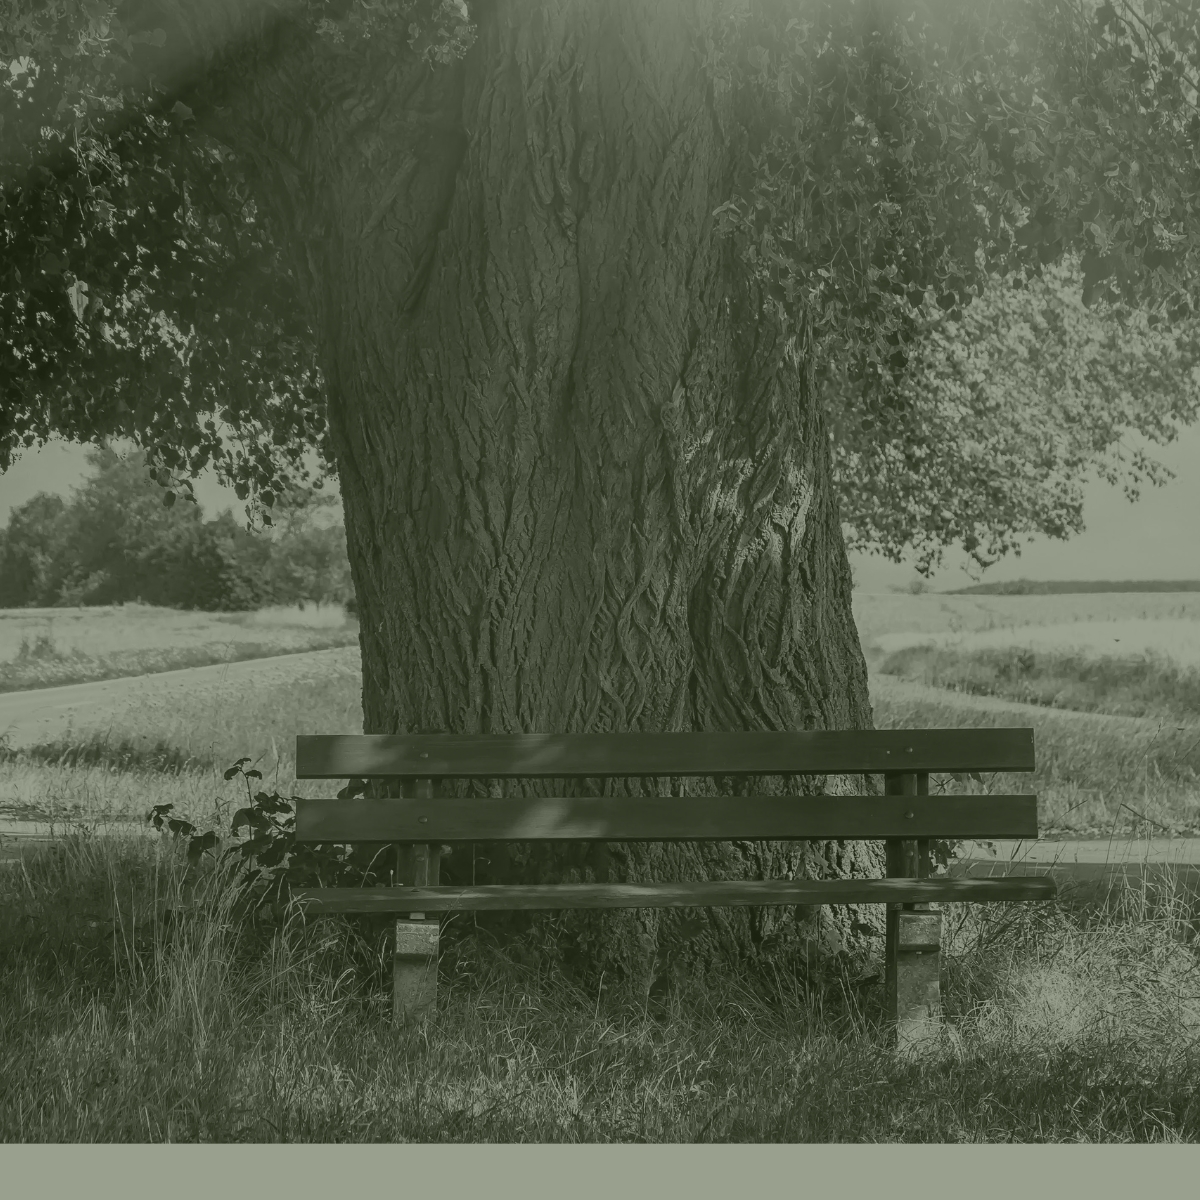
x: 905, y: 817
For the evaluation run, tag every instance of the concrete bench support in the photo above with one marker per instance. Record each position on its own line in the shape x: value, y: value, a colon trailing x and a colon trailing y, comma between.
x: 914, y: 944
x: 414, y: 969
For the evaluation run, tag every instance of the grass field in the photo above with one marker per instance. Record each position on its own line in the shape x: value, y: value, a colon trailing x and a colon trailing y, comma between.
x: 51, y: 646
x: 1116, y: 722
x: 121, y: 1022
x: 1125, y: 654
x: 1175, y: 640
x: 1096, y: 774
x: 119, y: 761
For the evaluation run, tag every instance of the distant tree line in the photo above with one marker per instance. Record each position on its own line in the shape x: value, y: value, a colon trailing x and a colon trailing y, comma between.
x: 116, y: 541
x: 1065, y: 587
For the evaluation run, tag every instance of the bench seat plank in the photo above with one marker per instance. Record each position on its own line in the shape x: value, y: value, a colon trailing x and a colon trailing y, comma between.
x: 692, y: 818
x: 672, y: 895
x: 598, y: 755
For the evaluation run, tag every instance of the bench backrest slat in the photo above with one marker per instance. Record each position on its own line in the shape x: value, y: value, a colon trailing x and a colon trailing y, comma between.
x: 600, y: 755
x: 692, y: 818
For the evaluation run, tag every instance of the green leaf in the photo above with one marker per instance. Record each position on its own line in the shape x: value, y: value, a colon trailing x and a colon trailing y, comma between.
x: 199, y: 845
x: 158, y: 813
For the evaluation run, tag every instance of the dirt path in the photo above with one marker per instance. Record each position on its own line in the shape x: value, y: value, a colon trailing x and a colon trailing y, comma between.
x: 41, y: 713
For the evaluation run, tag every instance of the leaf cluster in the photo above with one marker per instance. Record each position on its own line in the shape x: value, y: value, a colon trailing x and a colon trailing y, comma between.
x: 143, y: 292
x: 266, y: 860
x: 903, y: 152
x: 1001, y: 416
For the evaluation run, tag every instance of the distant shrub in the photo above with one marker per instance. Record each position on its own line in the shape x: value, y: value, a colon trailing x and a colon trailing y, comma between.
x: 31, y: 555
x: 42, y: 647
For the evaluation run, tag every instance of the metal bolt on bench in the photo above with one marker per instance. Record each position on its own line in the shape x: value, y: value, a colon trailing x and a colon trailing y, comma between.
x: 906, y: 817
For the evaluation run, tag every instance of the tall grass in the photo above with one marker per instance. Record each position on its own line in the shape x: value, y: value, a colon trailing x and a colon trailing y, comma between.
x: 125, y: 1016
x: 115, y: 753
x: 1164, y: 639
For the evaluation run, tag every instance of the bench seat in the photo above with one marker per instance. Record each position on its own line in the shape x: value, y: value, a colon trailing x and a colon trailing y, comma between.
x: 719, y: 893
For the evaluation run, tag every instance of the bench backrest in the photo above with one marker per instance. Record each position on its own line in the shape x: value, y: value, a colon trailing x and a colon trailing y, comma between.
x: 645, y: 755
x: 904, y: 757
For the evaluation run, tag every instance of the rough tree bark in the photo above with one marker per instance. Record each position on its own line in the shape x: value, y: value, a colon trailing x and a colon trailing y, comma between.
x: 583, y: 488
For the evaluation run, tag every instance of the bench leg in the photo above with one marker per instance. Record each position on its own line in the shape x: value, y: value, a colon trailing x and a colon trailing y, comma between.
x: 414, y: 968
x: 913, y: 969
x: 912, y: 960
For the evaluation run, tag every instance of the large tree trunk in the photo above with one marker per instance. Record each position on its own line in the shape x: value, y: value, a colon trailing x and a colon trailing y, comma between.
x: 584, y: 490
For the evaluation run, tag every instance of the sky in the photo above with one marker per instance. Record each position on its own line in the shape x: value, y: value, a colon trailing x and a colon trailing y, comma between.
x: 1156, y: 538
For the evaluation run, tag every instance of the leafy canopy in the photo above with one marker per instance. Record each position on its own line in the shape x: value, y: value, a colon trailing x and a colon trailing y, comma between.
x: 1000, y: 415
x: 899, y: 155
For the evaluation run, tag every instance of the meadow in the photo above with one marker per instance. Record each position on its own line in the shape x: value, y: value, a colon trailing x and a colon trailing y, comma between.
x: 1096, y: 774
x: 1126, y: 654
x: 127, y: 1015
x: 47, y: 647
